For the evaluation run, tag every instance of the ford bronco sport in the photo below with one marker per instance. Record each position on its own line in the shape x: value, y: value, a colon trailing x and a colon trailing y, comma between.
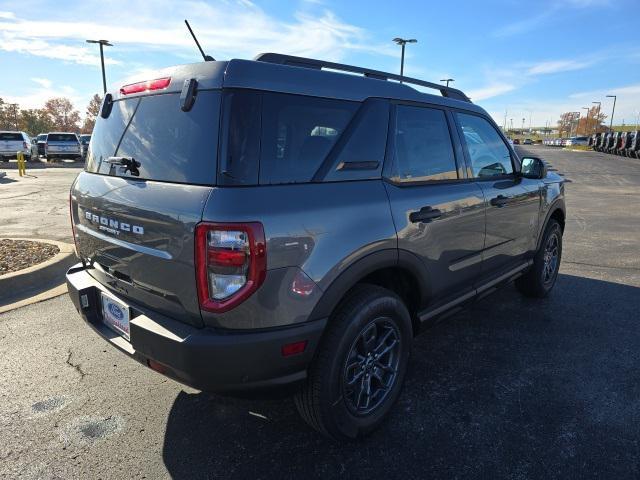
x: 245, y: 225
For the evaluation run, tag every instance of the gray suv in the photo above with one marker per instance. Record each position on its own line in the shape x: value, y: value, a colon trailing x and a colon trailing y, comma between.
x: 248, y: 225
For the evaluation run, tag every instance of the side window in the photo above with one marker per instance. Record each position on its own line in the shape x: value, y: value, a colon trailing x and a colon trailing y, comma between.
x: 298, y: 133
x: 489, y: 154
x: 361, y: 155
x: 423, y: 149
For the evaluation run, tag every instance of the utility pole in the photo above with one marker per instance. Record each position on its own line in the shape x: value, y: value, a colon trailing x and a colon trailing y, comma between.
x: 102, y: 43
x: 586, y: 123
x: 402, y: 42
x: 511, y: 124
x: 613, y: 110
x: 504, y: 127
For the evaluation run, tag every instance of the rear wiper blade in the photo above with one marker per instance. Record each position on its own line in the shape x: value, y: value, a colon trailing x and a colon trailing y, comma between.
x: 129, y: 164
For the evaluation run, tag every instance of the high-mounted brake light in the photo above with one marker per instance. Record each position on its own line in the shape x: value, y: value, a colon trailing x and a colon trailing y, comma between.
x: 157, y: 84
x: 231, y: 263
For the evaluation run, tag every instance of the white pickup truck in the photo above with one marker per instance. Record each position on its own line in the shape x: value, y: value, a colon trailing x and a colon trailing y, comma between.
x: 62, y: 145
x: 13, y: 142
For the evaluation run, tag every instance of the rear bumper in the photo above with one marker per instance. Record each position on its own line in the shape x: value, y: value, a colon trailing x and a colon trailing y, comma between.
x: 203, y: 358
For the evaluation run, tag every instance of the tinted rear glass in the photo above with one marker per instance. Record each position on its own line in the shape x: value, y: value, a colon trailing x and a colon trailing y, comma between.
x: 169, y: 144
x: 42, y: 137
x: 10, y: 136
x: 62, y: 137
x: 274, y: 138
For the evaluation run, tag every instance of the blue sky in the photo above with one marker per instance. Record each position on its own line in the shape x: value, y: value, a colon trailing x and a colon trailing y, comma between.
x: 534, y: 59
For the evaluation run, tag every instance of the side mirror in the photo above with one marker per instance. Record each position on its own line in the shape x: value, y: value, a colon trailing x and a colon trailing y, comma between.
x: 533, y: 167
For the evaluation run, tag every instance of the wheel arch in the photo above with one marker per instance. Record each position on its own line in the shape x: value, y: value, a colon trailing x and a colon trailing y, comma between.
x: 397, y: 270
x: 556, y: 211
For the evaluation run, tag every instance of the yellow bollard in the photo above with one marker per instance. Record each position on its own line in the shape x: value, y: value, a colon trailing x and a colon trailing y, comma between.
x: 22, y: 170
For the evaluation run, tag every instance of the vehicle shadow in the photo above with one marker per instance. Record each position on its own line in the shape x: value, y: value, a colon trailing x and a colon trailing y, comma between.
x: 510, y: 388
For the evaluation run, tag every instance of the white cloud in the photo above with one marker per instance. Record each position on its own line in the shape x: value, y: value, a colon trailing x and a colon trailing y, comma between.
x: 43, y: 82
x: 489, y: 91
x: 237, y: 28
x: 8, y: 15
x: 556, y: 66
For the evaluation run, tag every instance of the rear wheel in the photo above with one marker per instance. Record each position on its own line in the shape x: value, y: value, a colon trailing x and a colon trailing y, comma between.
x: 359, y: 369
x: 539, y: 281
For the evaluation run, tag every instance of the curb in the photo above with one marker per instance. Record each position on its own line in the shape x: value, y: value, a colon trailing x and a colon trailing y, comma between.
x: 29, y: 283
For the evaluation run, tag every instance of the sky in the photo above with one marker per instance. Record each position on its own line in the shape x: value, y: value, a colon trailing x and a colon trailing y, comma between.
x: 534, y: 59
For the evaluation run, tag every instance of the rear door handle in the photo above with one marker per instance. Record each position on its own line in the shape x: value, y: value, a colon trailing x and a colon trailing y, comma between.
x: 425, y: 215
x: 500, y: 201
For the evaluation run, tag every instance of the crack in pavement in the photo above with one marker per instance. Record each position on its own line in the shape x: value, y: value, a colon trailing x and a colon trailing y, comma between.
x: 76, y: 366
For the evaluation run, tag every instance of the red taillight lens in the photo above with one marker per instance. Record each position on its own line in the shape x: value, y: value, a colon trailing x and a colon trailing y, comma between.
x: 293, y: 348
x: 231, y: 263
x: 157, y: 84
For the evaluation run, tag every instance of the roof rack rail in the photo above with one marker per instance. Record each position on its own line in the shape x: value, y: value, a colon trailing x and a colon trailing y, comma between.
x: 377, y: 74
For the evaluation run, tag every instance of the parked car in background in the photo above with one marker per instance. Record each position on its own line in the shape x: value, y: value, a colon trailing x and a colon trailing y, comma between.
x: 12, y: 142
x: 84, y: 143
x: 62, y: 145
x: 634, y: 148
x: 42, y: 141
x: 527, y: 141
x: 573, y: 141
x: 516, y: 141
x: 510, y: 140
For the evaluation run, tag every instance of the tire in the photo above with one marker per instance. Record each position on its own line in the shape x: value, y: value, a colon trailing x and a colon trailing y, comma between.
x: 325, y: 401
x: 542, y: 276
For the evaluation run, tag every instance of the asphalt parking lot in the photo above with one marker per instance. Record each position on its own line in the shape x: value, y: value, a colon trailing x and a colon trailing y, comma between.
x: 508, y: 388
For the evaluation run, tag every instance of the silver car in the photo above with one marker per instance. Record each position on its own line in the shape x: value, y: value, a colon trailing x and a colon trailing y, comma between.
x: 62, y: 145
x: 13, y: 142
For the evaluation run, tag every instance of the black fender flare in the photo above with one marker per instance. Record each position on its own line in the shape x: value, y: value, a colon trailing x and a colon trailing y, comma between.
x: 557, y: 204
x: 364, y: 266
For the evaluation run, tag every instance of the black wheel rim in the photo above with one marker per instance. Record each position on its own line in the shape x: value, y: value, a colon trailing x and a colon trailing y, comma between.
x: 371, y: 367
x: 551, y: 253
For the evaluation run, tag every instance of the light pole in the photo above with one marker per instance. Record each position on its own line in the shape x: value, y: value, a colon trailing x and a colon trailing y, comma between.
x: 597, y: 117
x: 586, y: 121
x: 102, y: 43
x: 402, y: 42
x: 613, y: 110
x: 447, y: 80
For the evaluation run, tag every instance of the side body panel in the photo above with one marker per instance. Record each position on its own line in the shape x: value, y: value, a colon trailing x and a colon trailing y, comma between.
x: 318, y: 228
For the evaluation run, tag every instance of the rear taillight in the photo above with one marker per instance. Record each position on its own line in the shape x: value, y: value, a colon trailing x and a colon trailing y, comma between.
x: 24, y: 145
x: 231, y: 263
x: 157, y: 84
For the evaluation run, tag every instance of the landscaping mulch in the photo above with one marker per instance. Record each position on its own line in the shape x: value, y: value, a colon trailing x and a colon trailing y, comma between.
x: 19, y: 254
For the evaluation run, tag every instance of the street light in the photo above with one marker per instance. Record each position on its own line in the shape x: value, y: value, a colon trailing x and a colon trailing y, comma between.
x: 102, y: 43
x: 447, y: 80
x: 597, y: 117
x: 586, y: 121
x: 402, y: 42
x: 613, y: 110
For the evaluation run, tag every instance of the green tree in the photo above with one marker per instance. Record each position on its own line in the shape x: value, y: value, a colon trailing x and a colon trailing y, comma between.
x: 93, y: 109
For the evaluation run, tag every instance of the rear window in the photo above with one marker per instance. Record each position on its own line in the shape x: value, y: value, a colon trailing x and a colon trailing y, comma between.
x: 169, y: 145
x: 10, y: 136
x: 42, y: 137
x: 62, y: 137
x: 274, y: 138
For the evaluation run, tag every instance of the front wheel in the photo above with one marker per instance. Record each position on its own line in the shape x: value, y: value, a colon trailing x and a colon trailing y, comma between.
x: 539, y: 281
x: 360, y: 365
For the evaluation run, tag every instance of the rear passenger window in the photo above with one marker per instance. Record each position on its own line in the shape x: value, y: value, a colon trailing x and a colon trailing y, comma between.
x: 423, y: 148
x: 489, y: 154
x: 297, y: 134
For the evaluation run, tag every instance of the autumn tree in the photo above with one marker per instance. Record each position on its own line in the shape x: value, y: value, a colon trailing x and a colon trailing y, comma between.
x: 592, y: 122
x: 35, y: 121
x: 566, y: 123
x: 8, y: 115
x: 93, y: 109
x: 62, y: 114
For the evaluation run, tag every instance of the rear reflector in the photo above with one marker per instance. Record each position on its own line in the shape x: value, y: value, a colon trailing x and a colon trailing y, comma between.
x: 157, y: 84
x: 293, y: 348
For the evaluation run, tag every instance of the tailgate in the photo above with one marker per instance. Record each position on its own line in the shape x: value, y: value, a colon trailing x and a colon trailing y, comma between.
x: 139, y: 239
x: 136, y: 225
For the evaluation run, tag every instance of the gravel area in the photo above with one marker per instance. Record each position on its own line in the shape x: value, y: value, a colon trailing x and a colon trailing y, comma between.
x: 18, y: 254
